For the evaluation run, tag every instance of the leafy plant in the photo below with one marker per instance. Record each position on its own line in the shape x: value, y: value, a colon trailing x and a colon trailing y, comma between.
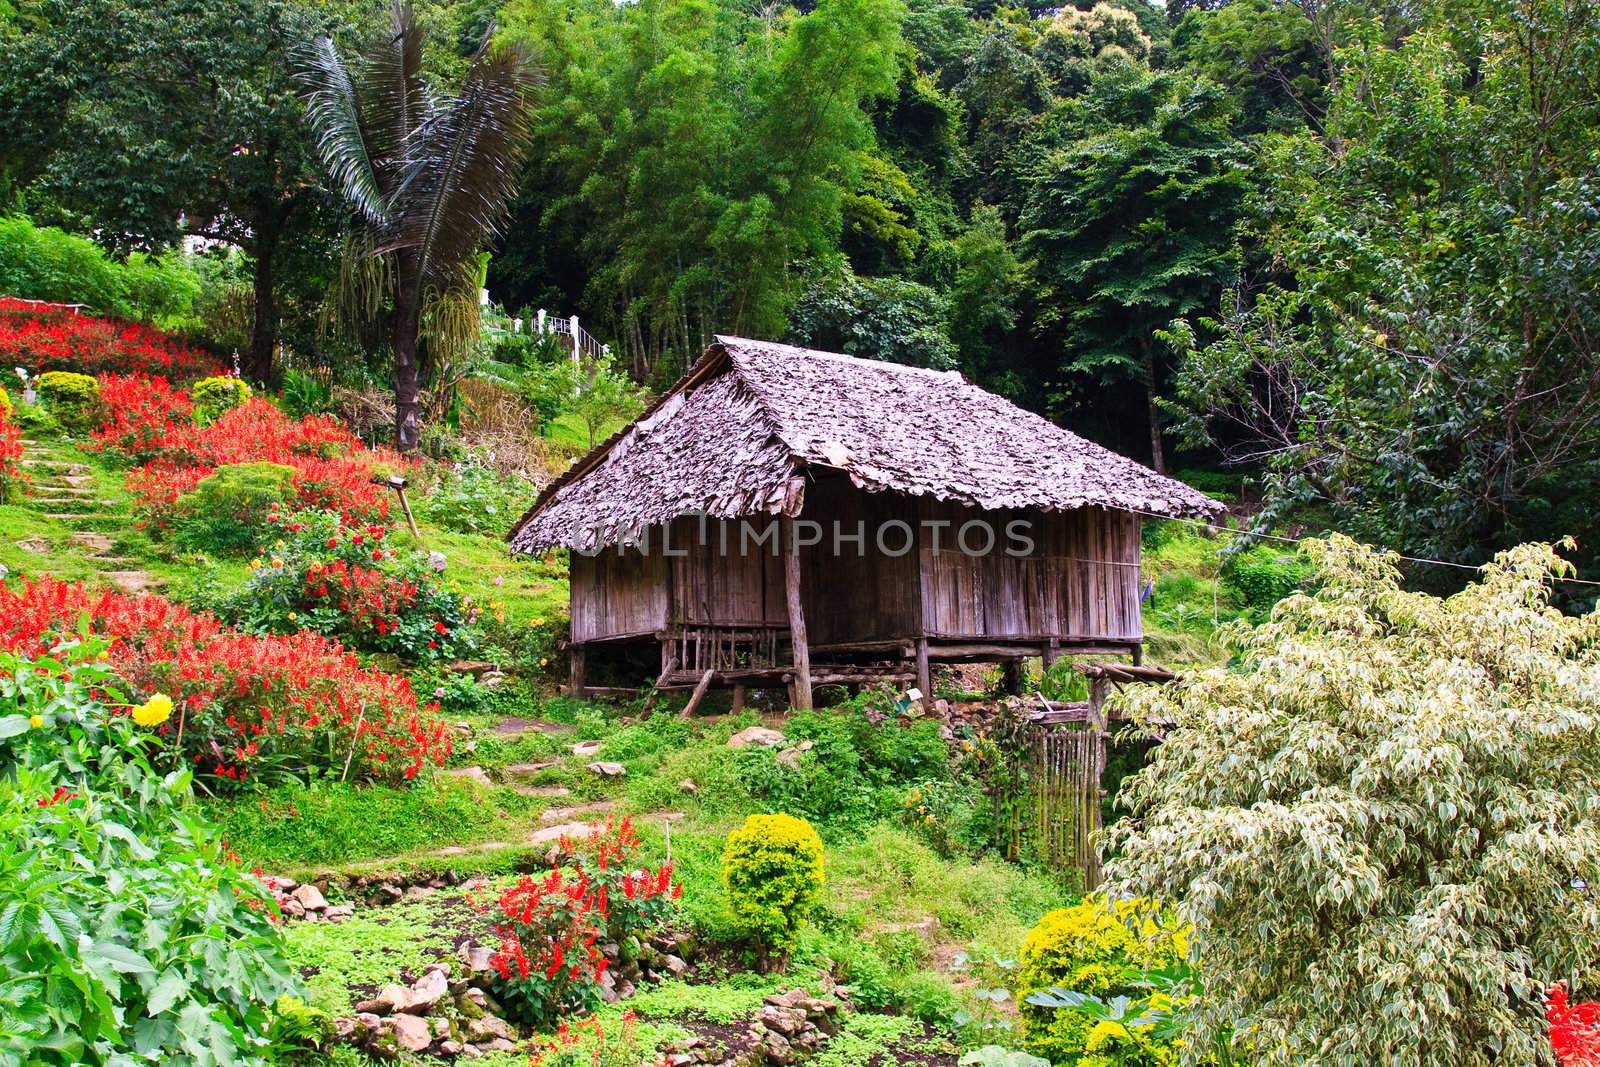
x: 1366, y: 725
x: 345, y: 580
x: 227, y: 510
x: 996, y: 1056
x: 212, y: 396
x: 772, y: 868
x: 129, y: 929
x: 304, y: 394
x: 475, y: 498
x: 74, y: 399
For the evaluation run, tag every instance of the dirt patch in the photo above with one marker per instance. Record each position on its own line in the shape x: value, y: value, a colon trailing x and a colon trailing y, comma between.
x: 515, y: 727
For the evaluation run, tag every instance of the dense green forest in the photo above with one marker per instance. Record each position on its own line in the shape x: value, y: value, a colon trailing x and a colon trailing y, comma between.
x: 1343, y: 246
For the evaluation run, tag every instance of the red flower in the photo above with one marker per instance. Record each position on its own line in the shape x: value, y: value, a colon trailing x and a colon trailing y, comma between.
x: 60, y: 795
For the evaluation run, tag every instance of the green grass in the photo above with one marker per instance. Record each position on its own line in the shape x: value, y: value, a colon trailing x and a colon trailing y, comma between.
x: 368, y: 950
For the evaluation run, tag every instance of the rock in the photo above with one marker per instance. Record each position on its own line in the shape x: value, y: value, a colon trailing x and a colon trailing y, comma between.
x: 560, y: 830
x: 471, y: 774
x: 791, y: 756
x: 499, y: 1044
x: 449, y: 1048
x: 586, y: 748
x: 393, y: 999
x: 392, y: 891
x: 372, y: 1007
x: 528, y: 770
x: 419, y: 892
x: 344, y: 1028
x: 310, y: 897
x: 472, y: 1052
x: 688, y: 786
x: 474, y: 957
x: 468, y: 1008
x: 339, y: 912
x: 367, y: 1020
x: 281, y: 881
x: 294, y: 908
x: 606, y: 769
x: 478, y: 997
x: 488, y: 1028
x: 675, y: 966
x: 777, y: 1049
x: 441, y: 1027
x: 428, y: 991
x: 757, y: 735
x: 476, y: 668
x: 412, y: 1032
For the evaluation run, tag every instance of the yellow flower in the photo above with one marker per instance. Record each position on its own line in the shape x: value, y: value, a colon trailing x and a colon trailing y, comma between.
x: 293, y: 616
x: 255, y: 563
x: 153, y: 712
x: 102, y: 657
x: 277, y: 544
x: 36, y: 721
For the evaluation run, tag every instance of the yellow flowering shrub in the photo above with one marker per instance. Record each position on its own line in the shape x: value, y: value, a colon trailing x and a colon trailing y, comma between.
x: 74, y: 399
x: 213, y: 396
x: 773, y: 869
x: 1099, y: 950
x: 5, y: 402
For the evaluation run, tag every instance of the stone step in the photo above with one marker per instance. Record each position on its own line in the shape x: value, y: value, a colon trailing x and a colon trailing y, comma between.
x: 94, y: 542
x: 69, y: 516
x: 598, y: 807
x: 74, y: 504
x: 132, y: 581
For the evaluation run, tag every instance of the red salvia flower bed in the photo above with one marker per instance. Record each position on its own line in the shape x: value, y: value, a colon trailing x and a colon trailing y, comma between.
x: 1574, y: 1028
x: 247, y: 704
x: 44, y: 337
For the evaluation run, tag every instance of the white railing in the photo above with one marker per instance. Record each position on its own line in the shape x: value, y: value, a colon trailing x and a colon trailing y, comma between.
x: 585, y: 346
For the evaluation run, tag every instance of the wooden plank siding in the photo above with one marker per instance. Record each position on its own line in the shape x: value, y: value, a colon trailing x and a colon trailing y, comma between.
x: 1080, y: 582
x: 618, y: 592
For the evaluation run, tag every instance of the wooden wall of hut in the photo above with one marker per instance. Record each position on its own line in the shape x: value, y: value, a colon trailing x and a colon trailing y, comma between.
x: 1080, y: 580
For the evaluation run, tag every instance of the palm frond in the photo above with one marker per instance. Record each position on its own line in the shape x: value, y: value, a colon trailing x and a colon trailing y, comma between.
x: 462, y: 166
x: 394, y: 98
x: 450, y: 323
x: 334, y: 115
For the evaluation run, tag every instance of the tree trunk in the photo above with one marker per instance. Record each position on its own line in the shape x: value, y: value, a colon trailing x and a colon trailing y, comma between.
x: 264, y: 327
x: 407, y: 324
x: 1158, y: 459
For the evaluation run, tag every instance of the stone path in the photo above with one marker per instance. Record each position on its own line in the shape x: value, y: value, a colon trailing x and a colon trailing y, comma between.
x: 63, y: 492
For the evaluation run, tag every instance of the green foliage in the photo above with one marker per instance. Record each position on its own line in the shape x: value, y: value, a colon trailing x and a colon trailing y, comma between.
x: 227, y: 510
x: 213, y: 396
x: 879, y: 318
x: 73, y: 399
x: 1265, y: 52
x: 1386, y: 779
x: 130, y: 931
x: 346, y: 581
x: 298, y: 1032
x: 1099, y: 949
x: 1445, y: 191
x: 773, y: 871
x: 1264, y: 575
x: 605, y: 397
x: 45, y: 263
x: 304, y: 394
x: 996, y: 1056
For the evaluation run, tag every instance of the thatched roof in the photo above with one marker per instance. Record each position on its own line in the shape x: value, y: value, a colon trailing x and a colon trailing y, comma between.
x: 752, y: 415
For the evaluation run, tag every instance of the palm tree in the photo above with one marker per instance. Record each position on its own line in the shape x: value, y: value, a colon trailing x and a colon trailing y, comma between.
x: 428, y: 178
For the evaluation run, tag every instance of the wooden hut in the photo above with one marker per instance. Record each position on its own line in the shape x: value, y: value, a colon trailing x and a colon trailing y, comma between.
x: 787, y: 516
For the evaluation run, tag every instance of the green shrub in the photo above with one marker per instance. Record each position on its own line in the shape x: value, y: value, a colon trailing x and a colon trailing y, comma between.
x: 1094, y: 949
x: 131, y: 933
x: 772, y: 868
x: 345, y: 580
x: 304, y: 394
x: 474, y: 498
x: 74, y: 399
x: 1264, y: 575
x: 213, y: 396
x: 45, y: 263
x: 299, y: 1032
x: 1378, y: 818
x: 226, y: 511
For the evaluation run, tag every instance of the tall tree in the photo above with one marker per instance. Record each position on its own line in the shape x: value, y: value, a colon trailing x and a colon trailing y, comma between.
x: 1129, y: 222
x: 145, y: 120
x: 1429, y: 374
x: 428, y: 178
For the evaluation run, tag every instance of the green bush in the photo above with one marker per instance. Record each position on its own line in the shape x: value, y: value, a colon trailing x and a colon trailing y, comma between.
x: 304, y: 394
x: 226, y: 511
x: 1264, y: 575
x: 74, y: 399
x: 1381, y: 818
x: 213, y: 396
x: 772, y: 868
x: 1098, y: 950
x: 131, y: 933
x: 44, y: 263
x: 474, y: 498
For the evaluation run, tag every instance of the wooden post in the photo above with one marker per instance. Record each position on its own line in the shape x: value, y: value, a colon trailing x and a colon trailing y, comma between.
x: 405, y: 506
x: 1011, y: 677
x: 924, y: 671
x: 575, y: 680
x: 797, y: 616
x: 1097, y: 769
x: 738, y: 700
x: 699, y: 692
x: 1052, y: 652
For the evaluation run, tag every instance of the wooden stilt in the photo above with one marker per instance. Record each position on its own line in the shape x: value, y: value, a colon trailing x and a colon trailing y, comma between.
x: 924, y: 671
x: 576, y: 679
x: 1011, y: 677
x: 738, y: 699
x: 797, y: 617
x: 1052, y: 652
x: 699, y: 692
